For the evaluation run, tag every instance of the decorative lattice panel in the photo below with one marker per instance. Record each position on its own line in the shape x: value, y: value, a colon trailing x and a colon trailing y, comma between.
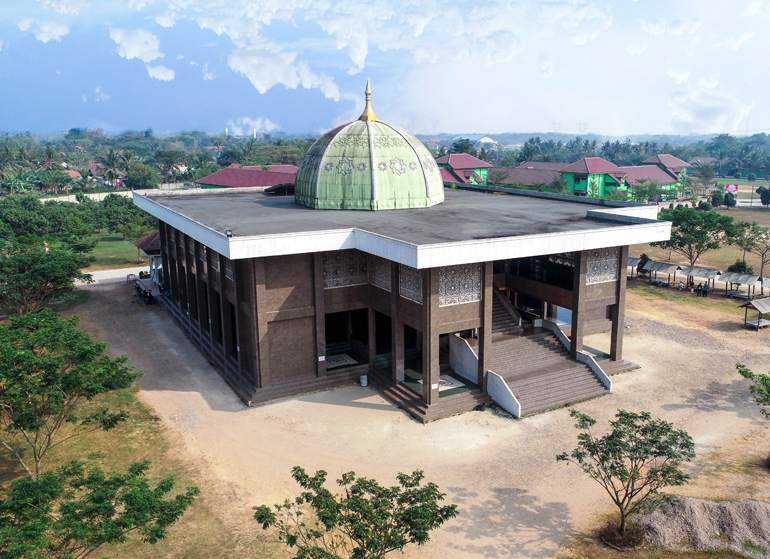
x: 343, y: 268
x: 379, y: 272
x: 602, y: 265
x: 563, y: 258
x: 459, y: 284
x: 215, y: 261
x: 410, y: 284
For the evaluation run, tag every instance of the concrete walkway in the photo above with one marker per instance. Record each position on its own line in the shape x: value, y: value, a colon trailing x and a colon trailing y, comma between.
x: 115, y: 276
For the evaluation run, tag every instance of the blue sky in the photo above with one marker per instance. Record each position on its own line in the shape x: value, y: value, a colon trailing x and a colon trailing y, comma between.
x: 572, y: 66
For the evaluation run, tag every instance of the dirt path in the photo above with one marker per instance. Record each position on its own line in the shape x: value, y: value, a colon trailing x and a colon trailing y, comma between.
x: 515, y: 500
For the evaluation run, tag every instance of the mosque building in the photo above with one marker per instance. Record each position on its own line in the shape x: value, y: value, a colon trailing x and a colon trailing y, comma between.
x: 445, y: 298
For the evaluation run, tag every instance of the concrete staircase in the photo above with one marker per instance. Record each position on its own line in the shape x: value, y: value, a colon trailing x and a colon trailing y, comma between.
x: 505, y: 320
x: 541, y: 374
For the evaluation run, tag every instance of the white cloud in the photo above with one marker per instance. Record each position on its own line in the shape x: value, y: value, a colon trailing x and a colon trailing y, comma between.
x: 140, y: 4
x: 735, y: 43
x: 65, y: 6
x: 44, y: 30
x: 138, y: 43
x: 677, y: 27
x: 268, y: 67
x: 654, y: 26
x: 167, y: 19
x: 707, y: 108
x: 160, y: 73
x: 637, y: 48
x: 679, y: 76
x: 1, y: 44
x: 245, y: 126
x: 193, y: 63
x: 757, y: 8
x: 208, y: 76
x: 97, y: 95
x: 583, y: 38
x: 546, y: 66
x: 180, y: 57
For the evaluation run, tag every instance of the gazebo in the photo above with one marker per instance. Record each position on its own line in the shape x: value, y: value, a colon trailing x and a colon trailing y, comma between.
x: 708, y: 274
x: 762, y: 306
x: 750, y: 280
x: 150, y: 246
x: 663, y: 268
x: 633, y: 263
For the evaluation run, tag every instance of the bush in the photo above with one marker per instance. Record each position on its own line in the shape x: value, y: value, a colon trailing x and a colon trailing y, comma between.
x: 671, y: 206
x: 751, y: 176
x: 679, y: 206
x: 740, y: 267
x: 738, y: 175
x: 717, y: 198
x: 705, y: 206
x: 730, y: 200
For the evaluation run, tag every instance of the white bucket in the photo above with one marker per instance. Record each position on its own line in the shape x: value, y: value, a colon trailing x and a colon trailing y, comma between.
x: 364, y: 380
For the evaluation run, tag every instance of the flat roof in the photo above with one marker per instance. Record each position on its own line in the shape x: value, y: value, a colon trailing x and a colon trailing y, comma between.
x: 449, y: 233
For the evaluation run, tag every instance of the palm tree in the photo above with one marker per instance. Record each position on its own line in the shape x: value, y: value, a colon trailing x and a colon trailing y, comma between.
x: 128, y: 159
x: 112, y: 165
x: 8, y: 165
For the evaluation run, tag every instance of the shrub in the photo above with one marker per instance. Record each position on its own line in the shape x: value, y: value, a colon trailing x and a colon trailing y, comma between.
x: 752, y: 176
x: 740, y: 267
x: 704, y: 205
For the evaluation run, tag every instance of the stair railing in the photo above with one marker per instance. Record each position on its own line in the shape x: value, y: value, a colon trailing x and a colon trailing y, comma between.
x: 507, y: 304
x: 502, y: 395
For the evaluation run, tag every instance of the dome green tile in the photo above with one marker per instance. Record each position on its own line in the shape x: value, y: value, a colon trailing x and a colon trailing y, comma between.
x: 368, y: 165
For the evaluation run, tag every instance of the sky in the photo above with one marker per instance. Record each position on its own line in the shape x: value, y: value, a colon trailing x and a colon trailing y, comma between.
x: 616, y: 68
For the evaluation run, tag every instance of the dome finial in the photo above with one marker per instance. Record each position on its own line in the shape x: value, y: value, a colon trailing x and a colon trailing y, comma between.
x: 368, y: 113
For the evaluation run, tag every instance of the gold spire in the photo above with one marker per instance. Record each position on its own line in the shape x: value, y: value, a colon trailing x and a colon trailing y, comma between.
x: 368, y: 113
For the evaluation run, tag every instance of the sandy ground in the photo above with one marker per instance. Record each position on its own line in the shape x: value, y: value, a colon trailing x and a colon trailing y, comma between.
x: 515, y: 500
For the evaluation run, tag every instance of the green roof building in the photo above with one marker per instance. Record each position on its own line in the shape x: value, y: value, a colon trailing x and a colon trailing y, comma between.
x: 368, y: 165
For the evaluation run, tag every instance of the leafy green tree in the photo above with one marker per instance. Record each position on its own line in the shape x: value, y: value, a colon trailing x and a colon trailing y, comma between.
x: 230, y: 156
x: 497, y: 176
x: 705, y: 206
x: 760, y: 387
x: 24, y: 215
x: 644, y: 190
x: 747, y: 235
x: 72, y: 512
x: 740, y: 267
x: 80, y: 236
x: 367, y: 521
x: 717, y: 197
x: 112, y: 165
x: 638, y: 457
x: 729, y: 200
x: 463, y: 145
x: 135, y: 230
x: 764, y: 195
x: 30, y: 279
x: 166, y: 161
x: 693, y: 233
x: 141, y: 177
x: 560, y: 183
x: 48, y: 369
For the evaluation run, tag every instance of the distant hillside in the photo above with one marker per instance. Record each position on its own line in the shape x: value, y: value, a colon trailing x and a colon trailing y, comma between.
x: 513, y: 138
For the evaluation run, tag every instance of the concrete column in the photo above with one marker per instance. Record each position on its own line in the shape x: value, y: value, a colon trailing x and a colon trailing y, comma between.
x: 320, y: 313
x: 578, y: 302
x: 397, y: 332
x: 543, y: 309
x: 485, y: 332
x: 619, y: 309
x: 430, y: 346
x: 263, y: 349
x: 372, y: 336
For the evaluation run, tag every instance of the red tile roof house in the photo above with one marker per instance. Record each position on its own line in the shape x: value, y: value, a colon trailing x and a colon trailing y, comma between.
x: 465, y: 167
x: 249, y: 178
x: 596, y: 177
x: 273, y: 168
x: 529, y: 176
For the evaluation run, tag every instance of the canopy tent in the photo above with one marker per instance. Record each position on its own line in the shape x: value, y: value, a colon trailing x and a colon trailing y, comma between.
x: 663, y: 268
x: 762, y: 306
x: 708, y: 274
x: 633, y: 263
x: 750, y: 280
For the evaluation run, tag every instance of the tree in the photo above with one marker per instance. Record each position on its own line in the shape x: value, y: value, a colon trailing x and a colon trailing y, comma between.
x: 643, y: 259
x: 746, y: 235
x: 705, y: 174
x: 693, y: 233
x: 112, y: 165
x: 760, y: 387
x: 462, y: 145
x: 717, y: 197
x: 764, y: 195
x: 560, y: 183
x: 638, y: 457
x: 645, y: 189
x: 740, y: 267
x: 141, y: 177
x: 761, y: 248
x: 79, y: 236
x: 367, y: 522
x: 729, y: 200
x: 72, y: 512
x: 48, y: 368
x: 230, y: 156
x: 135, y: 230
x: 497, y: 176
x: 166, y: 161
x: 30, y: 279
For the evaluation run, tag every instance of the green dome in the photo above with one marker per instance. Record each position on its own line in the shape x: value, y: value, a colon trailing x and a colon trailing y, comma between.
x: 368, y: 165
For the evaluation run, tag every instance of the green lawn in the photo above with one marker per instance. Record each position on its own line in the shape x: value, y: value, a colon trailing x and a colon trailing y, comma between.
x: 113, y: 252
x: 716, y: 301
x: 745, y: 187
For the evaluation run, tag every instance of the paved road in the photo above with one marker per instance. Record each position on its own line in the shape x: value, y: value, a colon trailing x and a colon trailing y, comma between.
x: 114, y: 276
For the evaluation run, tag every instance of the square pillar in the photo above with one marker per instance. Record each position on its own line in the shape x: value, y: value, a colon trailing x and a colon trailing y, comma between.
x: 619, y: 309
x: 372, y: 337
x: 397, y: 327
x: 263, y: 350
x: 430, y: 345
x: 320, y: 313
x: 578, y: 302
x: 485, y: 332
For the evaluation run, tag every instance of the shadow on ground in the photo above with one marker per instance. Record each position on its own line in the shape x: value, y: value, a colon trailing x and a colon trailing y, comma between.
x: 511, y: 523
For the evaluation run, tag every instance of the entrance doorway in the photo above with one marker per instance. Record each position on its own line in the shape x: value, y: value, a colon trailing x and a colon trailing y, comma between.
x: 413, y: 359
x: 347, y: 339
